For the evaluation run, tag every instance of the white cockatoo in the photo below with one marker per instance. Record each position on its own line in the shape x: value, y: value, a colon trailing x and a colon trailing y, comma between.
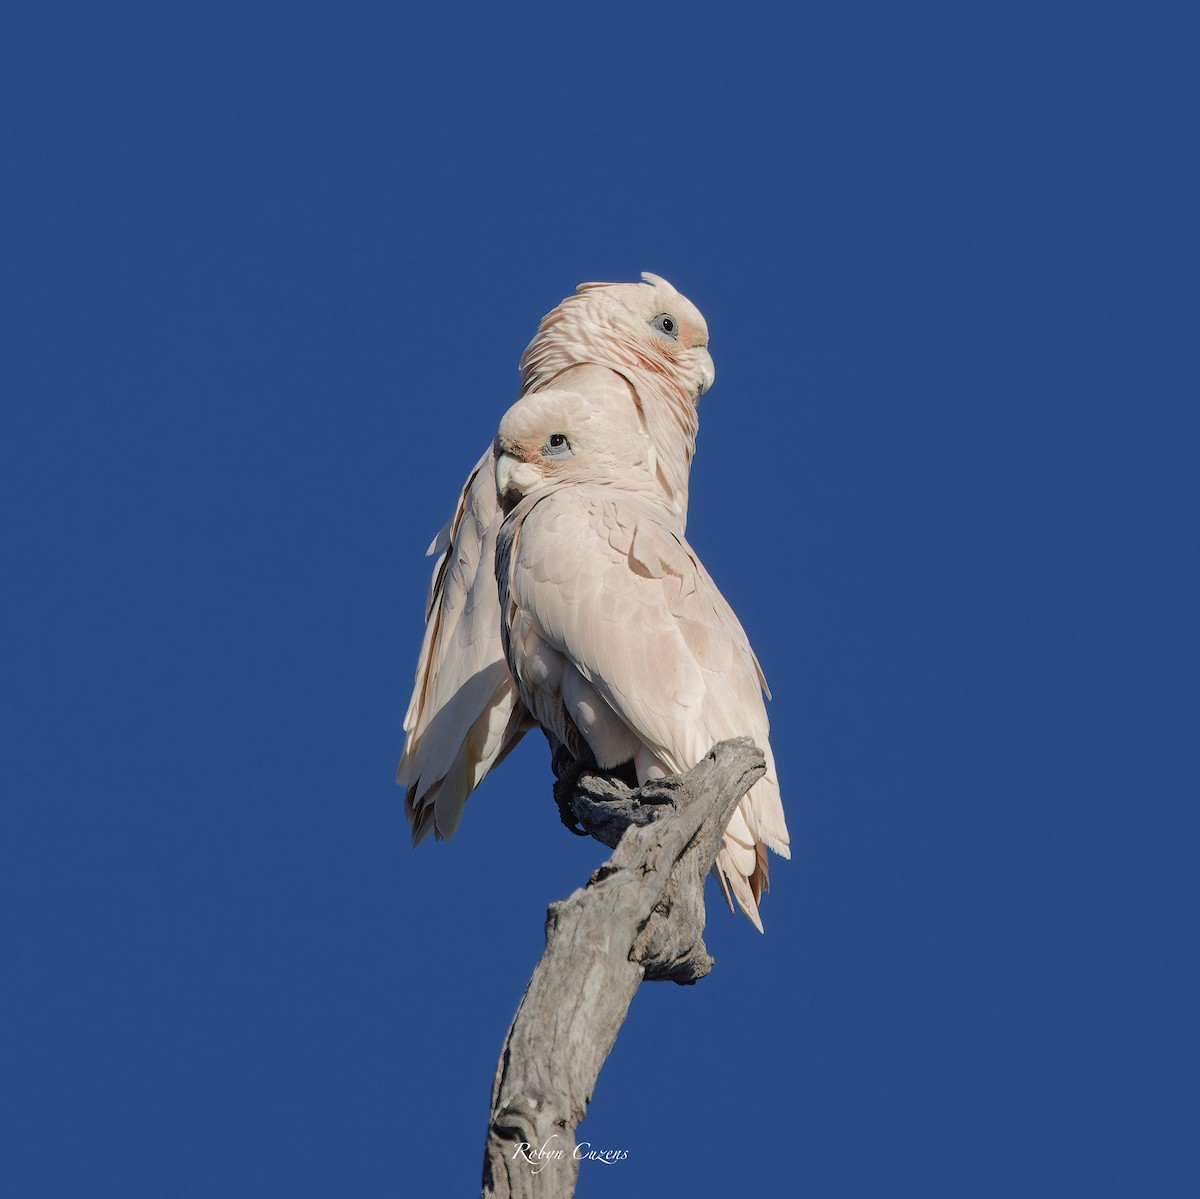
x: 617, y: 637
x: 637, y: 349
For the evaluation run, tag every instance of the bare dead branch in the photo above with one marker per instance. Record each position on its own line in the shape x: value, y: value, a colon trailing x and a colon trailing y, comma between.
x: 641, y: 915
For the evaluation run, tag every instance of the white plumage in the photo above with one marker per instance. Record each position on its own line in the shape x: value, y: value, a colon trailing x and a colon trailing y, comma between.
x: 617, y: 637
x: 602, y: 344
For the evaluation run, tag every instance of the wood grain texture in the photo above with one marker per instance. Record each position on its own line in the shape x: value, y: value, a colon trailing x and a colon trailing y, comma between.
x: 641, y: 915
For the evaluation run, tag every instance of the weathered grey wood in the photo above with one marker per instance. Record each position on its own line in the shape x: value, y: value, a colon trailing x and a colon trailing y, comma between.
x: 641, y: 915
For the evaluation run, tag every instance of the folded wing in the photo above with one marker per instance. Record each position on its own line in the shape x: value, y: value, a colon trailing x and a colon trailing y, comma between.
x: 614, y: 627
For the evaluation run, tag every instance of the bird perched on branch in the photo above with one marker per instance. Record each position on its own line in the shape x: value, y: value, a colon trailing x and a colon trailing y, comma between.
x: 621, y: 645
x: 636, y: 350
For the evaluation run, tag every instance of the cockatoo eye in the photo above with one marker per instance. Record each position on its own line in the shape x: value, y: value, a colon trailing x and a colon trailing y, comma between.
x: 557, y: 446
x: 667, y: 325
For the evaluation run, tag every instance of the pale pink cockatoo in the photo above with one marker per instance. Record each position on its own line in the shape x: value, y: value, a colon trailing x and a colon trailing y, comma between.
x: 630, y: 348
x: 620, y: 642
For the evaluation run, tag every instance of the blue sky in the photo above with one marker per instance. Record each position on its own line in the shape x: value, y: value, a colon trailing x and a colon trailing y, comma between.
x: 269, y: 270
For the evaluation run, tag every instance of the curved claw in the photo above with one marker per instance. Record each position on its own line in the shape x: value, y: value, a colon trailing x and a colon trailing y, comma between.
x: 568, y: 769
x: 566, y: 813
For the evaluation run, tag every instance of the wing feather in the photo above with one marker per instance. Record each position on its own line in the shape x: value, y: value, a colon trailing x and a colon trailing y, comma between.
x: 600, y: 578
x: 465, y: 714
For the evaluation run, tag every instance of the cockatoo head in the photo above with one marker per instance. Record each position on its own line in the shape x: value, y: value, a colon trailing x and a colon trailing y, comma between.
x: 636, y: 329
x: 557, y: 436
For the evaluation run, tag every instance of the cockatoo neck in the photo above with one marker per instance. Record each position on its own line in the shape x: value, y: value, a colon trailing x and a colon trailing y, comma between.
x: 636, y: 486
x: 667, y: 414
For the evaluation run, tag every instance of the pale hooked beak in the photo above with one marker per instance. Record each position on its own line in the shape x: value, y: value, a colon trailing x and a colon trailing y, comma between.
x: 708, y: 372
x: 505, y: 464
